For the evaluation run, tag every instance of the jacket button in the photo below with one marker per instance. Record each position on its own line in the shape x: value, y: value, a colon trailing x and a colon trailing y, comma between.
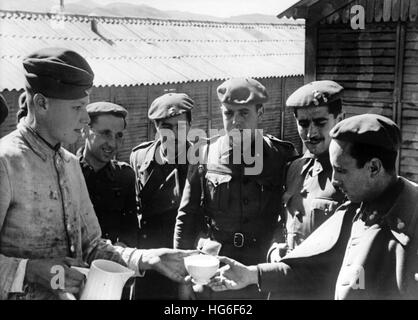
x: 72, y: 249
x: 401, y: 224
x: 245, y: 201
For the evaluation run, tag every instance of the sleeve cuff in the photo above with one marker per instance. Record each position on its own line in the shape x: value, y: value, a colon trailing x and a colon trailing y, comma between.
x: 18, y: 282
x: 133, y: 257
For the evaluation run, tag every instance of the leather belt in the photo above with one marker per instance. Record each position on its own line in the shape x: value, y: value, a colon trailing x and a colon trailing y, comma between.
x: 238, y: 239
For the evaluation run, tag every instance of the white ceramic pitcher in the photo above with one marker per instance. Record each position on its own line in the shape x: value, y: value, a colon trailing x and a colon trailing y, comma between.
x: 105, y: 280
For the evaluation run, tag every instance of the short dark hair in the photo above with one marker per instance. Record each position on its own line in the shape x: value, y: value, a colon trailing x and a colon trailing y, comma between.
x: 363, y: 153
x: 94, y: 117
x: 334, y: 107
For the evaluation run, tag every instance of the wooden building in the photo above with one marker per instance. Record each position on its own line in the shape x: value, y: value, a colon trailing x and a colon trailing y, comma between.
x: 377, y: 65
x: 135, y: 60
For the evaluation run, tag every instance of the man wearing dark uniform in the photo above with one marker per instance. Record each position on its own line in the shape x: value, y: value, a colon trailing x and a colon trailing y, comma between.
x: 111, y: 183
x: 368, y: 249
x: 310, y: 198
x: 161, y: 170
x: 242, y: 207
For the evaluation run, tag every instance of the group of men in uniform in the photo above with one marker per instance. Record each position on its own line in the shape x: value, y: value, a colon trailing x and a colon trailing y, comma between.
x: 290, y: 213
x: 47, y: 219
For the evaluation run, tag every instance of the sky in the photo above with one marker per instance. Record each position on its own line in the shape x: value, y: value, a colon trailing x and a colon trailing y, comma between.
x: 218, y: 8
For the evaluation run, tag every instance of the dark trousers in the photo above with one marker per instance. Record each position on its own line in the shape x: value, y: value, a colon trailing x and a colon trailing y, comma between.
x: 248, y: 293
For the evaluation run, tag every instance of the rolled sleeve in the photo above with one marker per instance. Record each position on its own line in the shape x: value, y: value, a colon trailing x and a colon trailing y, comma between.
x: 18, y: 282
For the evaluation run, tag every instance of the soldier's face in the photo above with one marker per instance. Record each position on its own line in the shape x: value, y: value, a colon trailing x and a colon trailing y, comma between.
x: 240, y: 117
x: 104, y: 137
x: 174, y: 128
x: 314, y: 125
x: 353, y: 181
x: 62, y: 120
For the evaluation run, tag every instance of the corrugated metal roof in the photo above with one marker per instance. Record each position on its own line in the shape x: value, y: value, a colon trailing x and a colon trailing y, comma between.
x: 135, y: 51
x: 337, y: 10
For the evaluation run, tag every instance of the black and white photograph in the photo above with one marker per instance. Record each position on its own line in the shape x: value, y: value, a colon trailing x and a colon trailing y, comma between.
x: 228, y: 152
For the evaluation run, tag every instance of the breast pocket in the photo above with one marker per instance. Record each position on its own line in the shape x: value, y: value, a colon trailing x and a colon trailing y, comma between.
x: 217, y: 191
x: 321, y: 210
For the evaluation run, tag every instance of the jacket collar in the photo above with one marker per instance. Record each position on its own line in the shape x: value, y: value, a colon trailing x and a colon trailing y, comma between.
x: 400, y: 214
x: 109, y: 168
x: 320, y: 163
x: 225, y: 150
x: 39, y: 146
x: 150, y: 152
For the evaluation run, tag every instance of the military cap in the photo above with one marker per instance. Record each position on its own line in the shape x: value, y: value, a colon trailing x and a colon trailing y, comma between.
x: 4, y: 111
x: 370, y: 129
x: 170, y: 105
x: 315, y: 94
x: 103, y: 107
x: 58, y: 73
x: 242, y: 92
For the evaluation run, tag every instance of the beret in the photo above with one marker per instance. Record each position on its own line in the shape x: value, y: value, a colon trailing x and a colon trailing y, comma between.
x: 58, y: 73
x: 4, y: 111
x: 103, y: 107
x: 170, y: 105
x: 370, y: 129
x: 242, y: 91
x: 315, y: 94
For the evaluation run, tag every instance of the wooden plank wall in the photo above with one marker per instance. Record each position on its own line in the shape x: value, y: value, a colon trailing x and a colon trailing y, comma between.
x: 205, y: 115
x: 363, y: 62
x: 366, y: 63
x: 409, y: 102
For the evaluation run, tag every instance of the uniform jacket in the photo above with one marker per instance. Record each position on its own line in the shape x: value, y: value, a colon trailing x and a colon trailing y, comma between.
x: 45, y: 211
x: 381, y: 263
x: 309, y: 198
x: 244, y: 208
x: 112, y: 192
x: 159, y: 189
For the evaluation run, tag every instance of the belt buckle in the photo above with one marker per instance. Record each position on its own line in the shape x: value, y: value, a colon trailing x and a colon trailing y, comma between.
x: 238, y: 240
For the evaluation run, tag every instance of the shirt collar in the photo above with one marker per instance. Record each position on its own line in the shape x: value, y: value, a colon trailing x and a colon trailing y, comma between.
x: 108, y: 168
x: 320, y: 162
x: 39, y: 145
x: 227, y: 151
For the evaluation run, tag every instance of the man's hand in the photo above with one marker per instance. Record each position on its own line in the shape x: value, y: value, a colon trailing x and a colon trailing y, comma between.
x: 278, y: 251
x: 186, y: 292
x: 169, y: 262
x: 41, y: 271
x: 233, y: 276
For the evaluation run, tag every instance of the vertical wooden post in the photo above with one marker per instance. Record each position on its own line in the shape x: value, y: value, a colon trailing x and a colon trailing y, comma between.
x: 210, y: 88
x: 149, y: 122
x: 283, y: 109
x: 311, y: 44
x: 399, y: 66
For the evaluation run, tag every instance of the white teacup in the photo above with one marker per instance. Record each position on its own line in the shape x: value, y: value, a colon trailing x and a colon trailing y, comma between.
x: 201, y: 267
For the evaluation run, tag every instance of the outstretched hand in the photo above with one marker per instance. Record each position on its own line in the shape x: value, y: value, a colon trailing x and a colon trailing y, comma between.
x: 169, y: 262
x: 233, y: 276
